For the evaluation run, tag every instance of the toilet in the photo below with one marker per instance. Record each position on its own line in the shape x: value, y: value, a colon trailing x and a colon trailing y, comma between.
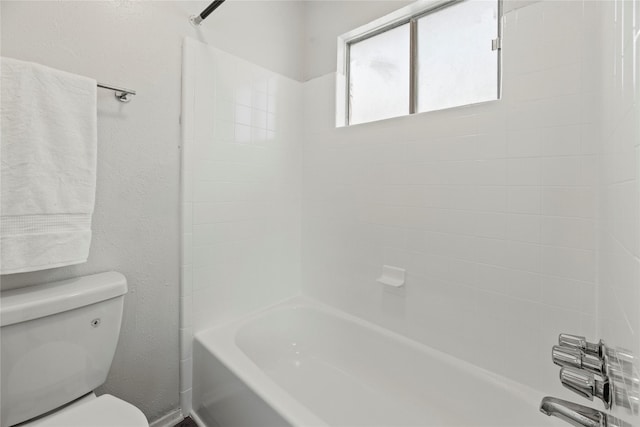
x: 57, y: 342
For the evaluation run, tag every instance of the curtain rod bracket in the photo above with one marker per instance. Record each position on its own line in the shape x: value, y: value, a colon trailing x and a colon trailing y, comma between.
x: 195, y: 20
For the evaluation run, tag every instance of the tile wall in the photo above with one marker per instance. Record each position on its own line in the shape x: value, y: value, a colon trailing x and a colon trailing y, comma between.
x: 491, y: 209
x: 619, y: 234
x: 241, y: 192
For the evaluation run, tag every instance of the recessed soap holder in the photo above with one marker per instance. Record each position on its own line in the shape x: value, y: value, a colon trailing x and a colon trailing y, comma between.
x: 392, y: 276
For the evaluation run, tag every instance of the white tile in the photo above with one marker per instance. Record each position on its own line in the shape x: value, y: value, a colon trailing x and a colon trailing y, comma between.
x: 566, y: 293
x: 272, y: 122
x: 489, y: 199
x: 569, y: 263
x: 568, y: 232
x: 547, y: 83
x: 523, y: 284
x: 525, y: 200
x: 223, y: 131
x: 562, y: 141
x: 523, y: 228
x: 224, y: 110
x: 560, y: 171
x: 260, y: 101
x: 526, y: 171
x: 491, y: 251
x: 523, y: 256
x: 463, y: 272
x: 547, y: 112
x: 525, y: 143
x: 573, y: 202
x: 490, y: 172
x: 259, y: 118
x: 243, y: 115
x: 491, y: 278
x: 243, y: 95
x: 491, y: 145
x: 491, y: 225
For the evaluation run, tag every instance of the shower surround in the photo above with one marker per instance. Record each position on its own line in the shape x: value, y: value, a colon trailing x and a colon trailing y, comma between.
x: 512, y: 218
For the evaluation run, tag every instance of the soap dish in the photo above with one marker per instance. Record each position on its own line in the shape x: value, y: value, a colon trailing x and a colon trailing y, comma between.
x: 392, y: 276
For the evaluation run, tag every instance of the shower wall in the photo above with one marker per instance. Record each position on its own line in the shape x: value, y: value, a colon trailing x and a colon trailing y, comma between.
x: 619, y: 234
x: 514, y: 220
x: 240, y: 191
x: 491, y: 208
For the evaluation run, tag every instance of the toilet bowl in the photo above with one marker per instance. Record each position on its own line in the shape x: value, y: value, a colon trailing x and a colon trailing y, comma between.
x: 57, y: 342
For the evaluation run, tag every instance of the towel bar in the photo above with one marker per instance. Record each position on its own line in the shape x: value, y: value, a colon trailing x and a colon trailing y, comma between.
x: 121, y: 94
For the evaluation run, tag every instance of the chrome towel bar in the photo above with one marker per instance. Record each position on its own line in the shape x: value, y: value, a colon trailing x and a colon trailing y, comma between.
x: 121, y: 94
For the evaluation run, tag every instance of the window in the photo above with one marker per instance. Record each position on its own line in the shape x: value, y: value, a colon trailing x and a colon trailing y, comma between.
x: 379, y: 70
x: 422, y: 60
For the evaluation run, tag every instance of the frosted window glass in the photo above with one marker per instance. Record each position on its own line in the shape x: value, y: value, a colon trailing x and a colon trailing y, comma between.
x: 456, y: 65
x: 379, y: 76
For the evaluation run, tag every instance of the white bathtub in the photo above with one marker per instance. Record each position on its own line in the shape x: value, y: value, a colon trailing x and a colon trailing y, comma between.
x: 304, y: 364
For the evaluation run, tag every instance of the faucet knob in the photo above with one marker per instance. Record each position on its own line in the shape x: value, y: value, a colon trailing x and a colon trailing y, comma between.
x: 580, y: 343
x: 586, y: 385
x: 575, y: 358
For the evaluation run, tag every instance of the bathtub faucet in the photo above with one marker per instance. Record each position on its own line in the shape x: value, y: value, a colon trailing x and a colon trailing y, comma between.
x: 578, y: 415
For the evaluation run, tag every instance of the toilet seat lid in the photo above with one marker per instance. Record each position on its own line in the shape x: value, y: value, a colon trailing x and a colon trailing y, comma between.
x: 104, y: 411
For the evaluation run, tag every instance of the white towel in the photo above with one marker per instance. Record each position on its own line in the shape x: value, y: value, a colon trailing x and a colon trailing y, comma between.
x: 48, y: 166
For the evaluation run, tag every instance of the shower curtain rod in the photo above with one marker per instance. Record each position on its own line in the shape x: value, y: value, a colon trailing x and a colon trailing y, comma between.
x: 196, y: 20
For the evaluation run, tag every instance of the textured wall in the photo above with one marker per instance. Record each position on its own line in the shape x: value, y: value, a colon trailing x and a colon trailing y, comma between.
x: 490, y: 208
x: 136, y: 221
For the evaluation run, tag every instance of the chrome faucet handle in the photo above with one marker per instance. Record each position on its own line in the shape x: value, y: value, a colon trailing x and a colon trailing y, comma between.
x: 586, y: 385
x: 575, y: 358
x: 574, y: 341
x: 578, y: 415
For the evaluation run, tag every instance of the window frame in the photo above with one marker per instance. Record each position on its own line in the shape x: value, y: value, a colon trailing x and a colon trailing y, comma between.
x: 407, y: 15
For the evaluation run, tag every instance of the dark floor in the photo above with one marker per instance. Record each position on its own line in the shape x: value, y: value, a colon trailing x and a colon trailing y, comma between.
x: 187, y: 422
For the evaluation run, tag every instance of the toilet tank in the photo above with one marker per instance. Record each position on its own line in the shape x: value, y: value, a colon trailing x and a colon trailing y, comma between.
x: 57, y: 342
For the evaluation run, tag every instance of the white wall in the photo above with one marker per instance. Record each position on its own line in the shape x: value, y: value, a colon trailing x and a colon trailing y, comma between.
x: 136, y: 221
x: 241, y: 192
x: 619, y: 243
x: 490, y: 208
x: 325, y: 20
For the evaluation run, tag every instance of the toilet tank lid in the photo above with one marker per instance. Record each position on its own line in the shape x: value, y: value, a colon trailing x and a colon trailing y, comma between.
x: 32, y: 302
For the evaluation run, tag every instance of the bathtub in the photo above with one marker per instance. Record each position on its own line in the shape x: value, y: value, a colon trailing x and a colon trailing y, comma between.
x: 301, y: 363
